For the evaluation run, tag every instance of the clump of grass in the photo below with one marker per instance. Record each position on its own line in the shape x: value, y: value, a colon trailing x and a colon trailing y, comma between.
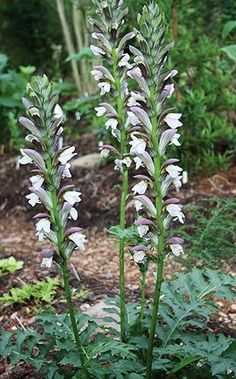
x: 210, y: 233
x: 9, y: 265
x: 42, y: 291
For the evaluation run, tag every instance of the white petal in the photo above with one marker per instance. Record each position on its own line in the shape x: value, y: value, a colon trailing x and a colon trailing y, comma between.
x: 172, y: 120
x: 33, y: 199
x: 41, y: 236
x: 100, y: 111
x: 96, y: 50
x: 177, y: 249
x: 185, y: 177
x: 25, y: 159
x: 138, y: 205
x: 139, y: 256
x: 79, y: 239
x: 175, y: 211
x: 140, y: 187
x: 118, y: 165
x: 37, y: 181
x: 66, y: 155
x: 43, y: 225
x: 66, y: 172
x: 173, y: 170
x: 132, y: 119
x: 97, y: 74
x: 127, y: 161
x: 142, y: 230
x: 58, y: 112
x: 175, y: 140
x: 138, y: 162
x: 105, y: 153
x: 138, y: 145
x: 47, y: 262
x: 177, y: 182
x: 72, y: 197
x: 112, y: 122
x: 74, y: 214
x: 105, y: 87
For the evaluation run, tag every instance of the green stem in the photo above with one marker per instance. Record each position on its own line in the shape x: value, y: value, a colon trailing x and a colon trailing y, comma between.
x: 122, y: 255
x: 82, y: 356
x: 143, y: 298
x: 160, y: 244
x: 124, y: 194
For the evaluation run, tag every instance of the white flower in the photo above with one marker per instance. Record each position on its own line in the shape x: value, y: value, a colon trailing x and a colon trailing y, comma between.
x: 40, y: 236
x: 139, y: 256
x: 175, y: 212
x: 185, y: 177
x: 79, y: 239
x: 58, y: 112
x: 66, y: 173
x: 138, y: 205
x: 105, y: 87
x: 138, y: 145
x: 37, y: 181
x: 125, y: 61
x: 118, y: 163
x: 140, y: 187
x: 175, y: 140
x: 177, y: 249
x: 134, y: 100
x: 167, y: 221
x: 31, y: 138
x: 142, y: 230
x: 132, y: 119
x: 34, y: 111
x: 171, y: 74
x: 138, y: 163
x: 172, y: 120
x: 111, y: 123
x: 66, y: 155
x: 77, y: 116
x: 96, y: 50
x: 127, y: 161
x: 25, y: 159
x: 177, y: 182
x: 97, y: 74
x: 72, y: 197
x: 73, y: 214
x: 100, y: 111
x: 33, y: 199
x: 47, y: 262
x: 104, y: 153
x: 43, y: 225
x: 173, y: 170
x: 170, y: 88
x: 115, y: 133
x: 135, y: 72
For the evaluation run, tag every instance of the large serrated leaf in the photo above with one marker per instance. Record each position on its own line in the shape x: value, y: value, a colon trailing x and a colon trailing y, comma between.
x: 187, y: 300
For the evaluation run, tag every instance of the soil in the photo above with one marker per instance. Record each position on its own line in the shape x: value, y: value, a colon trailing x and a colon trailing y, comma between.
x: 98, y: 211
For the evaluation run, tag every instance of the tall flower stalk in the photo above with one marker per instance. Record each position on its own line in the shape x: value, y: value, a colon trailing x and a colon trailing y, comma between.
x: 110, y: 45
x: 50, y: 162
x: 154, y: 129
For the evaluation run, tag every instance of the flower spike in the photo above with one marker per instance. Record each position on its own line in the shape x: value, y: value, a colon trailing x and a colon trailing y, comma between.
x: 158, y: 129
x: 44, y: 121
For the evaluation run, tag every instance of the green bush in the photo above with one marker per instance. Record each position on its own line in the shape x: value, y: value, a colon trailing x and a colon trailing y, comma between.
x: 28, y: 31
x: 12, y: 88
